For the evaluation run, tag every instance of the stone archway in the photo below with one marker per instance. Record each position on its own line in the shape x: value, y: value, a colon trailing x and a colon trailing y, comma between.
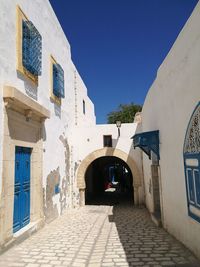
x: 137, y: 181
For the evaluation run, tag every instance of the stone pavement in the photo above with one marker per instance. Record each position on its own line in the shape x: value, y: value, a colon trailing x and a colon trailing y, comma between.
x: 100, y: 236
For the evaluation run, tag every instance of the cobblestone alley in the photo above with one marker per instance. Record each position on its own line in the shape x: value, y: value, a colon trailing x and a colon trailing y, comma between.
x: 100, y: 236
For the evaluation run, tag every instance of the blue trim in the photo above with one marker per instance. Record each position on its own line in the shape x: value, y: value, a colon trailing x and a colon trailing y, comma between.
x: 147, y: 141
x: 186, y: 156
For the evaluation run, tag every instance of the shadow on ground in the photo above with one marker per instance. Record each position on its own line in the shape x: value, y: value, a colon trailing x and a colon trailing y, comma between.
x: 144, y: 243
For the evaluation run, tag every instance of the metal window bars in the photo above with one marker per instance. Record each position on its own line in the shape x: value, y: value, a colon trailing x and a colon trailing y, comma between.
x: 31, y: 48
x: 58, y: 81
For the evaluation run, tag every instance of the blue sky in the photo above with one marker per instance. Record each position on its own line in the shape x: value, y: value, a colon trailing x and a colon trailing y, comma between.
x: 118, y: 45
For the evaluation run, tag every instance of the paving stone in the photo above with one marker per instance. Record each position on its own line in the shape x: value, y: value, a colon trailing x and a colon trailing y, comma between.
x: 55, y: 262
x: 86, y: 237
x: 32, y: 265
x: 42, y: 261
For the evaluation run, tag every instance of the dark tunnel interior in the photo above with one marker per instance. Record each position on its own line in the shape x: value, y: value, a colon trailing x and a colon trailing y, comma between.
x: 109, y: 181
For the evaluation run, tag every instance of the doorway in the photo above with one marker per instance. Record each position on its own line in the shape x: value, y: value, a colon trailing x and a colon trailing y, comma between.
x: 109, y: 181
x: 21, y: 214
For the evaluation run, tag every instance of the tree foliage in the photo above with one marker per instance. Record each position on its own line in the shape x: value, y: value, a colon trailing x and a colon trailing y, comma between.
x: 124, y: 113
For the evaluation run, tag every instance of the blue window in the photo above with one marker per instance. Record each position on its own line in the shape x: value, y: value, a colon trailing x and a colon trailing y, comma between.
x: 191, y: 155
x: 191, y: 186
x: 31, y: 48
x: 197, y: 186
x: 58, y: 81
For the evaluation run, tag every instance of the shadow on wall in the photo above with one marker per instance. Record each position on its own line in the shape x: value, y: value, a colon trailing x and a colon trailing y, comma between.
x: 114, y: 142
x: 50, y: 209
x: 57, y: 108
x: 30, y: 88
x: 137, y: 130
x: 19, y: 131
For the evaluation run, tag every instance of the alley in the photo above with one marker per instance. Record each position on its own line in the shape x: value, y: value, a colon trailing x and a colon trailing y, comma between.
x: 100, y: 236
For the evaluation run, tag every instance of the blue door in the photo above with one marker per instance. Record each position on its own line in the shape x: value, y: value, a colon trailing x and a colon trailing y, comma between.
x: 21, y: 215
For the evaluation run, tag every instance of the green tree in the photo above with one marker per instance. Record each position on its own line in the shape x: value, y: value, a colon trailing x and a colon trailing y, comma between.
x: 124, y: 113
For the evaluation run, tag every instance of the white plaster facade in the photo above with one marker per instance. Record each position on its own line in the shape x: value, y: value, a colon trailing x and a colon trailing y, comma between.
x: 66, y: 132
x: 168, y: 107
x: 65, y: 140
x: 90, y: 146
x: 56, y: 160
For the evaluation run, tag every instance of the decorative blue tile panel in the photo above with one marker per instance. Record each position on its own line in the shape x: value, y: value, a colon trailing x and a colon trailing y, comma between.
x: 58, y: 81
x: 191, y: 155
x: 31, y: 48
x: 147, y: 141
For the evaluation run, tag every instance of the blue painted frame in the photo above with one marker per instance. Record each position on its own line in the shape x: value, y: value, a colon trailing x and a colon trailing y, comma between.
x: 187, y: 155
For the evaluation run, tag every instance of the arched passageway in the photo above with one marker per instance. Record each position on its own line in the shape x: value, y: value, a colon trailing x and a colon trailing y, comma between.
x: 112, y: 152
x: 108, y: 181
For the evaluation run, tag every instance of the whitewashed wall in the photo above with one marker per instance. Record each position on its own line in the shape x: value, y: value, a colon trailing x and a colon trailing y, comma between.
x: 54, y: 42
x: 91, y: 139
x: 81, y: 119
x: 168, y: 108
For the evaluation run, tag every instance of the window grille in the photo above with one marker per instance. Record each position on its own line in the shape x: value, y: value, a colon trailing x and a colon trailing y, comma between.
x: 58, y: 81
x: 31, y: 48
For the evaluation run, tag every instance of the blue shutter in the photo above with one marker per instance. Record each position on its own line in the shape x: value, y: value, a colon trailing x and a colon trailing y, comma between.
x: 31, y: 48
x: 197, y: 185
x: 190, y: 180
x: 58, y: 81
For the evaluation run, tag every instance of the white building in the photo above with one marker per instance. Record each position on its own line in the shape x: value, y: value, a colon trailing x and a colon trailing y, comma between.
x: 50, y: 141
x: 41, y: 100
x: 47, y: 123
x: 172, y: 107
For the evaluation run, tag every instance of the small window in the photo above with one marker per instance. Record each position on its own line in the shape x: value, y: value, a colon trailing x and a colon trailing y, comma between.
x: 83, y: 106
x: 107, y: 140
x: 58, y: 81
x: 191, y: 187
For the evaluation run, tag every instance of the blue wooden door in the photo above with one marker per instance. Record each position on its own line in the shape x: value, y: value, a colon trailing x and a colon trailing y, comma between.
x: 21, y: 215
